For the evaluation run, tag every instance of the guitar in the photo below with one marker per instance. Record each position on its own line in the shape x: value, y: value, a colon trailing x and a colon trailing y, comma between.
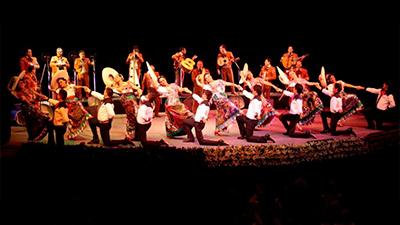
x: 288, y: 61
x: 222, y: 61
x: 188, y: 63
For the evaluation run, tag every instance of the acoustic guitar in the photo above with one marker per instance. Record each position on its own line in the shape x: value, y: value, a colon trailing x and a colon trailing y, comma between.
x: 188, y: 63
x: 288, y: 61
x: 222, y: 61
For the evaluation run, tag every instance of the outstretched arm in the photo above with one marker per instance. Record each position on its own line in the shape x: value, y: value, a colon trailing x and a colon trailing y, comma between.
x: 271, y: 85
x: 233, y: 85
x: 351, y: 86
x: 185, y: 89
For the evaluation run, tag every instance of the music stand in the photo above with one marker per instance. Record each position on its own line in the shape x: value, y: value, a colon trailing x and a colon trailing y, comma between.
x: 94, y: 73
x: 46, y: 67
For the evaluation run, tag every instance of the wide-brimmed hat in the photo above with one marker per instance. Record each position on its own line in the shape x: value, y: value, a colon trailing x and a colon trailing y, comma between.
x: 282, y: 76
x: 243, y: 73
x: 107, y: 71
x: 59, y: 74
x: 12, y: 84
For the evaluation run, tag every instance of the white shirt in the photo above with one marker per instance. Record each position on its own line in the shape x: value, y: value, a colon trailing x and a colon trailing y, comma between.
x: 106, y: 111
x: 296, y: 105
x: 202, y: 111
x: 336, y: 104
x: 383, y: 102
x: 145, y: 114
x: 70, y: 89
x: 255, y: 106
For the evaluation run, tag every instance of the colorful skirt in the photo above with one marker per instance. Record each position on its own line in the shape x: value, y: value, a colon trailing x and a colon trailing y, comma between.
x: 312, y: 106
x: 267, y: 114
x: 351, y: 104
x: 129, y: 102
x: 77, y: 118
x: 174, y: 120
x: 35, y: 121
x: 226, y: 112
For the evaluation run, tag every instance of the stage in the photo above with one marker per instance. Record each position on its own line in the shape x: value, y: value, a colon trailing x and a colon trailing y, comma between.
x: 284, y: 151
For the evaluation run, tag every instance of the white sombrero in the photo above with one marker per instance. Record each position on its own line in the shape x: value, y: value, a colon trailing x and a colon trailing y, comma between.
x: 322, y: 77
x: 59, y: 74
x: 282, y: 76
x: 12, y: 84
x: 243, y: 73
x: 106, y: 73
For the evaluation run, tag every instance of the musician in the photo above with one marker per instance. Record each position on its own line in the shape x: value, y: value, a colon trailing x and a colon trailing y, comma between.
x: 268, y: 73
x: 28, y: 60
x: 300, y: 71
x: 225, y: 69
x: 179, y: 71
x: 196, y: 88
x: 289, y: 59
x: 135, y: 59
x: 81, y: 66
x: 58, y: 62
x: 147, y: 84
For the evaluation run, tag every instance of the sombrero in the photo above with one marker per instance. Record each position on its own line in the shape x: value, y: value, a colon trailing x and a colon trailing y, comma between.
x: 151, y: 72
x: 59, y: 74
x: 12, y: 84
x: 106, y: 73
x: 322, y: 77
x: 243, y: 73
x: 282, y: 76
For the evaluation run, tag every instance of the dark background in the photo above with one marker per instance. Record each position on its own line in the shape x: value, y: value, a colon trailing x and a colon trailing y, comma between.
x: 110, y: 187
x: 357, y: 51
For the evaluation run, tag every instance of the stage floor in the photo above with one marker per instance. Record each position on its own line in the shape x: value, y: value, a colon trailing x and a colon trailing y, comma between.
x: 157, y: 132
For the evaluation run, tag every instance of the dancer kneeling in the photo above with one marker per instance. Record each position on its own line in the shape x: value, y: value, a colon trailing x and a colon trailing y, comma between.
x: 144, y: 119
x: 296, y: 109
x: 248, y: 122
x: 198, y: 121
x: 335, y: 113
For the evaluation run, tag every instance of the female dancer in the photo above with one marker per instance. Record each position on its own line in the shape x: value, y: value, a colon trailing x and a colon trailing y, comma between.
x: 76, y: 112
x: 175, y: 110
x: 267, y: 112
x: 226, y: 110
x: 130, y: 94
x: 35, y: 121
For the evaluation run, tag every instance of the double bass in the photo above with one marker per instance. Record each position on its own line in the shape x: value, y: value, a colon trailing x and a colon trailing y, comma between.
x: 133, y: 76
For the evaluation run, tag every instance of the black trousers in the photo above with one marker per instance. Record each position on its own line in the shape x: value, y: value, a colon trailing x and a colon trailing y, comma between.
x: 334, y: 120
x: 291, y: 127
x: 188, y: 124
x: 60, y: 131
x: 246, y: 128
x: 141, y: 135
x: 375, y: 117
x: 104, y: 130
